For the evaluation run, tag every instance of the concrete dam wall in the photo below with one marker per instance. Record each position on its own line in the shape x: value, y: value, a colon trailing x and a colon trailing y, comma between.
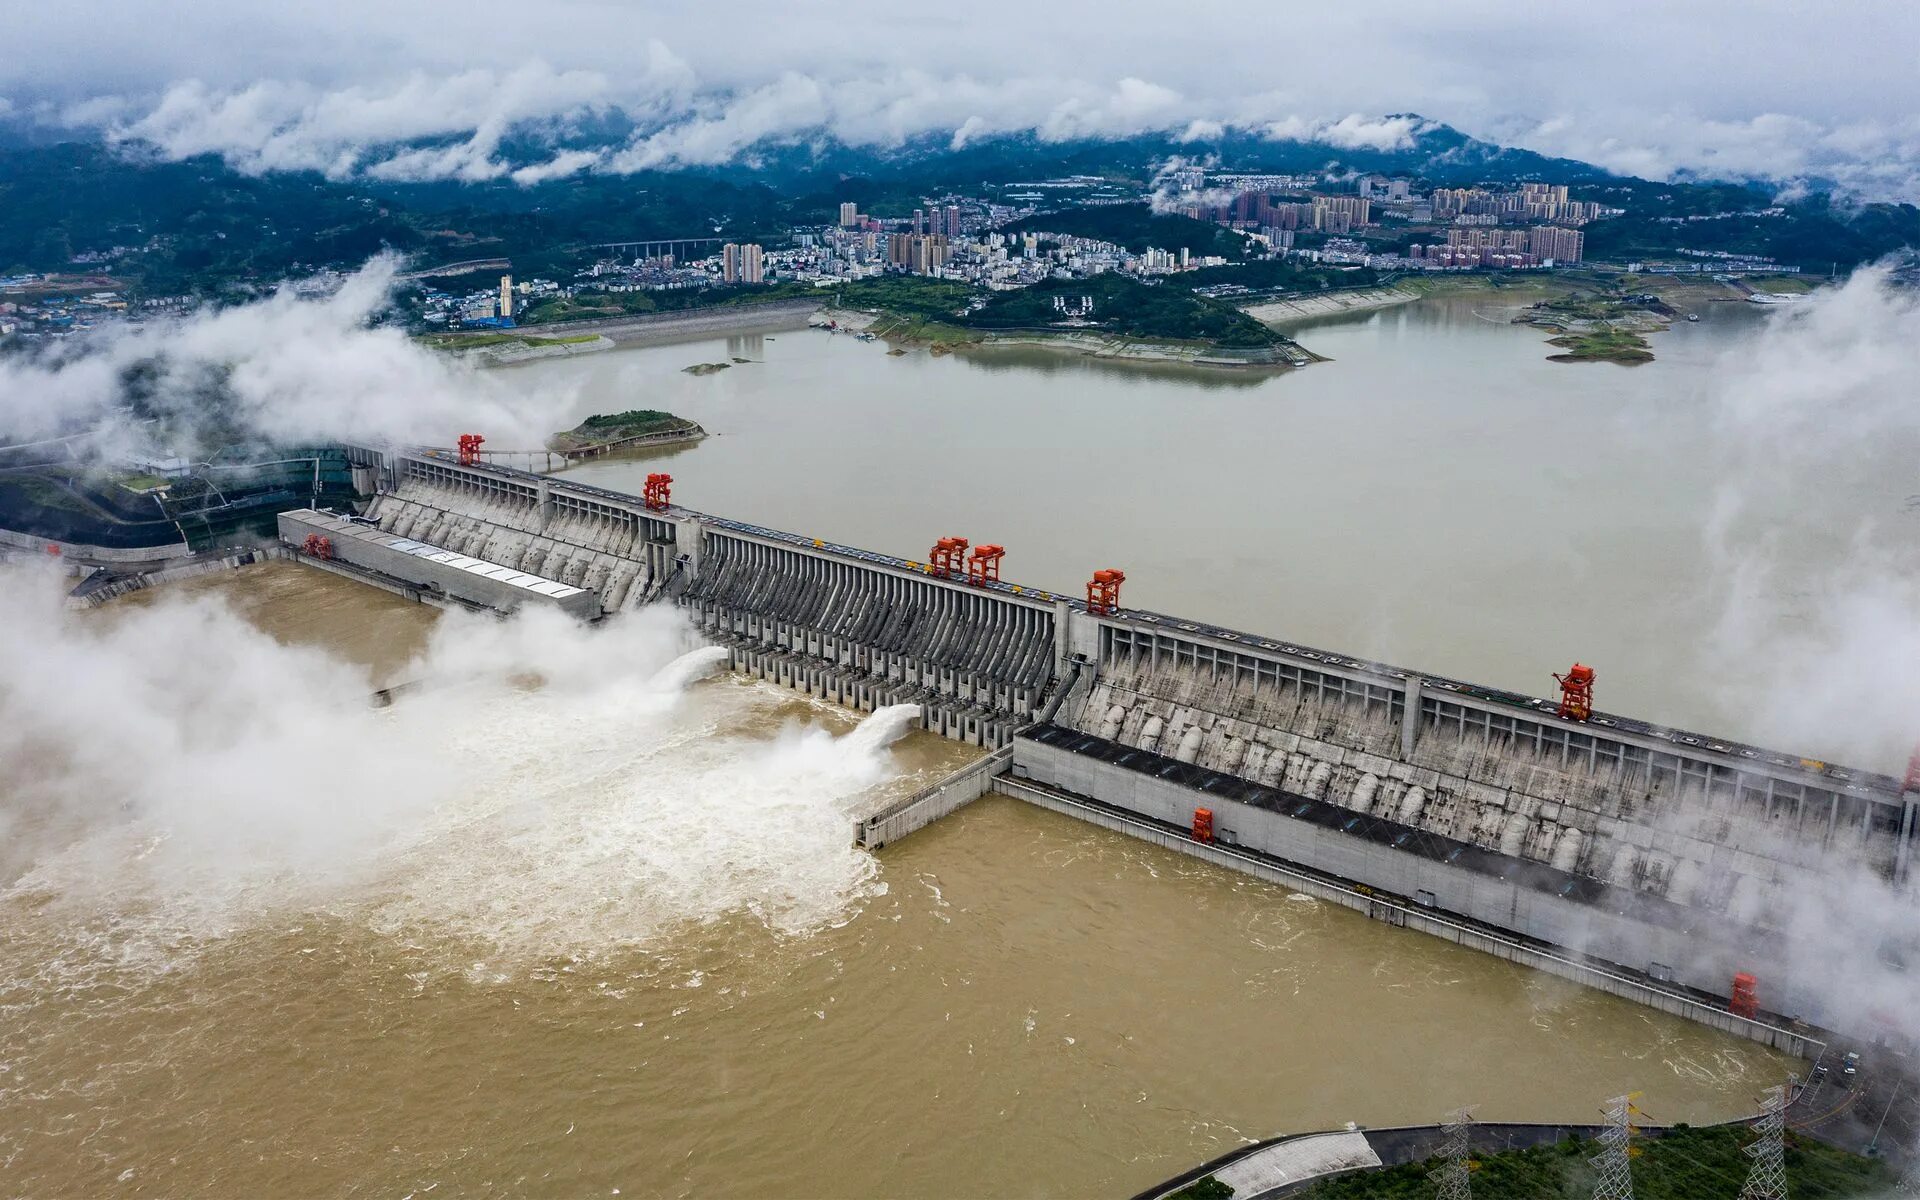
x: 1663, y: 853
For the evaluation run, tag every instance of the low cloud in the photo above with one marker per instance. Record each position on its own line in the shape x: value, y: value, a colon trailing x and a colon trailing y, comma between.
x: 1819, y: 628
x: 287, y: 368
x: 1872, y: 159
x: 421, y: 126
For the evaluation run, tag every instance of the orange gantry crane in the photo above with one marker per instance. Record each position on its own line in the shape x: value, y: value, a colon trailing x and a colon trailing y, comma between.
x: 1103, y: 592
x: 1576, y: 693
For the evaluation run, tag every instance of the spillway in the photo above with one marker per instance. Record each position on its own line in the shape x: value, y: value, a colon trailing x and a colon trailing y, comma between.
x: 1606, y: 849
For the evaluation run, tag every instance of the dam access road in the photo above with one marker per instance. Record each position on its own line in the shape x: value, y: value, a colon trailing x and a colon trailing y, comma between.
x: 1642, y: 860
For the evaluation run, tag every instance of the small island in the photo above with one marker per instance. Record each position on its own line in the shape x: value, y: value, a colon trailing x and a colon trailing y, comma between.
x: 605, y: 433
x: 706, y: 368
x: 1592, y: 327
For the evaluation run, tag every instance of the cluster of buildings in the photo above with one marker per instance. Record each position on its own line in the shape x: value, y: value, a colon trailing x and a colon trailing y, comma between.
x: 1502, y: 249
x: 488, y: 308
x: 1531, y: 202
x: 44, y: 308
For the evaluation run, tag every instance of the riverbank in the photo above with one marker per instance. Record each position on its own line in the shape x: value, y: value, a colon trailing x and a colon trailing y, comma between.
x: 903, y: 333
x: 504, y: 349
x: 1329, y: 304
x: 564, y: 339
x: 641, y: 328
x: 1512, y: 1162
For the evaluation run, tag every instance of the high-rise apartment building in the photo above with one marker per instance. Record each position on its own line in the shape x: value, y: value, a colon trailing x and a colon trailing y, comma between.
x: 506, y: 296
x: 740, y: 262
x: 1560, y: 245
x: 953, y: 221
x: 849, y: 214
x: 1337, y: 214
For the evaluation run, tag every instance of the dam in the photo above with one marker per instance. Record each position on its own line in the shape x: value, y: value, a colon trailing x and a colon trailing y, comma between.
x: 1649, y: 861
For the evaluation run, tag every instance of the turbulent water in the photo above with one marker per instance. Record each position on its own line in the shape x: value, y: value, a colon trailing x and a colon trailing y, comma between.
x: 578, y: 917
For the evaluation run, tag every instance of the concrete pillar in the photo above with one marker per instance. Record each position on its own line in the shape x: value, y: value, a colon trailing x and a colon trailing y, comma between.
x: 1062, y: 634
x: 688, y: 538
x: 543, y: 505
x: 1410, y: 717
x: 1903, y: 851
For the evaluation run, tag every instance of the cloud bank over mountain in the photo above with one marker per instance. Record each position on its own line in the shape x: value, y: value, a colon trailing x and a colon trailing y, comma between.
x: 1643, y: 88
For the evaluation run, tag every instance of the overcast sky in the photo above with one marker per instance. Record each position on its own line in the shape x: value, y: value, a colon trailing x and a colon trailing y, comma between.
x: 1778, y: 88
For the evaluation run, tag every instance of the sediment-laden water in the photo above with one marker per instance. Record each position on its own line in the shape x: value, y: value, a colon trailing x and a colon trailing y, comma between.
x: 577, y: 918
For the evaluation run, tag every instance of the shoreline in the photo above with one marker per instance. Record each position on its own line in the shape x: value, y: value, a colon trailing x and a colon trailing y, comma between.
x: 1309, y: 307
x: 1108, y: 348
x: 531, y: 343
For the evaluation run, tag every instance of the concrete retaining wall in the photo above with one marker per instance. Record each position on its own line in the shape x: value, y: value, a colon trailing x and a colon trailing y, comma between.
x: 95, y: 597
x: 928, y: 805
x: 1358, y: 899
x: 13, y: 540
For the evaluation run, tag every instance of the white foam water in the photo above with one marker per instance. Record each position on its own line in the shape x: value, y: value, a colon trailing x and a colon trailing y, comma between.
x: 554, y: 789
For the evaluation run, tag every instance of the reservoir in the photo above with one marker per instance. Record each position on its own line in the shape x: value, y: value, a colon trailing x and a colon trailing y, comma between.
x: 580, y: 918
x: 1439, y: 496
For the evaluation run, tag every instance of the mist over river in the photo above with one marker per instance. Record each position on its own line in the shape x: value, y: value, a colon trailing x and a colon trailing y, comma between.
x: 581, y: 916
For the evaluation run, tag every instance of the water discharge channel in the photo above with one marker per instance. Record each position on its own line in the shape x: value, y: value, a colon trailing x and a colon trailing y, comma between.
x: 580, y: 917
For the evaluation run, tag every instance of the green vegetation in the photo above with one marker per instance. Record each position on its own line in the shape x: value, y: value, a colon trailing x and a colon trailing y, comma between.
x: 1602, y: 343
x: 1137, y: 227
x: 1278, y: 275
x: 602, y: 428
x: 1684, y: 1164
x: 1125, y: 307
x: 911, y: 296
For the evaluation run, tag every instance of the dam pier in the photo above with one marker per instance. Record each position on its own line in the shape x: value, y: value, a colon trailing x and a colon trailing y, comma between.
x: 1650, y: 862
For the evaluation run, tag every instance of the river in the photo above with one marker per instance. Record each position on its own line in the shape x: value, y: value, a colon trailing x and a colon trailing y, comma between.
x: 577, y: 920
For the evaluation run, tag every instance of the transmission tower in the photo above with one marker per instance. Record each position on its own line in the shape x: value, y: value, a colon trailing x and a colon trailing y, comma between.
x: 1768, y: 1178
x: 1616, y: 1151
x: 1452, y: 1175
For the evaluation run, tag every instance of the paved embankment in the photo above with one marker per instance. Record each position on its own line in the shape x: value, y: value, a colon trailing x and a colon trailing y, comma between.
x: 1292, y: 1163
x: 662, y: 326
x: 1331, y: 304
x: 103, y: 585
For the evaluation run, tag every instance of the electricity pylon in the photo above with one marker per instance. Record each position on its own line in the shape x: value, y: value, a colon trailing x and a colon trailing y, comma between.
x: 1616, y: 1151
x: 1767, y: 1180
x: 1452, y: 1175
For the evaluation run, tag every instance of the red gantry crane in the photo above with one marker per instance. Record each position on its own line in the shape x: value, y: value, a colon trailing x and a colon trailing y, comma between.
x: 1103, y: 592
x: 984, y: 566
x: 1576, y: 693
x: 947, y: 558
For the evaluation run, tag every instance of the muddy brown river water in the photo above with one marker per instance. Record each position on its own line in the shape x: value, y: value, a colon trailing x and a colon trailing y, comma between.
x: 627, y: 949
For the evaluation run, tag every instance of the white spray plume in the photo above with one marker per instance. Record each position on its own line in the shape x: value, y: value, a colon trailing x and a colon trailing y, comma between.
x: 1821, y: 651
x: 172, y: 775
x: 292, y: 369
